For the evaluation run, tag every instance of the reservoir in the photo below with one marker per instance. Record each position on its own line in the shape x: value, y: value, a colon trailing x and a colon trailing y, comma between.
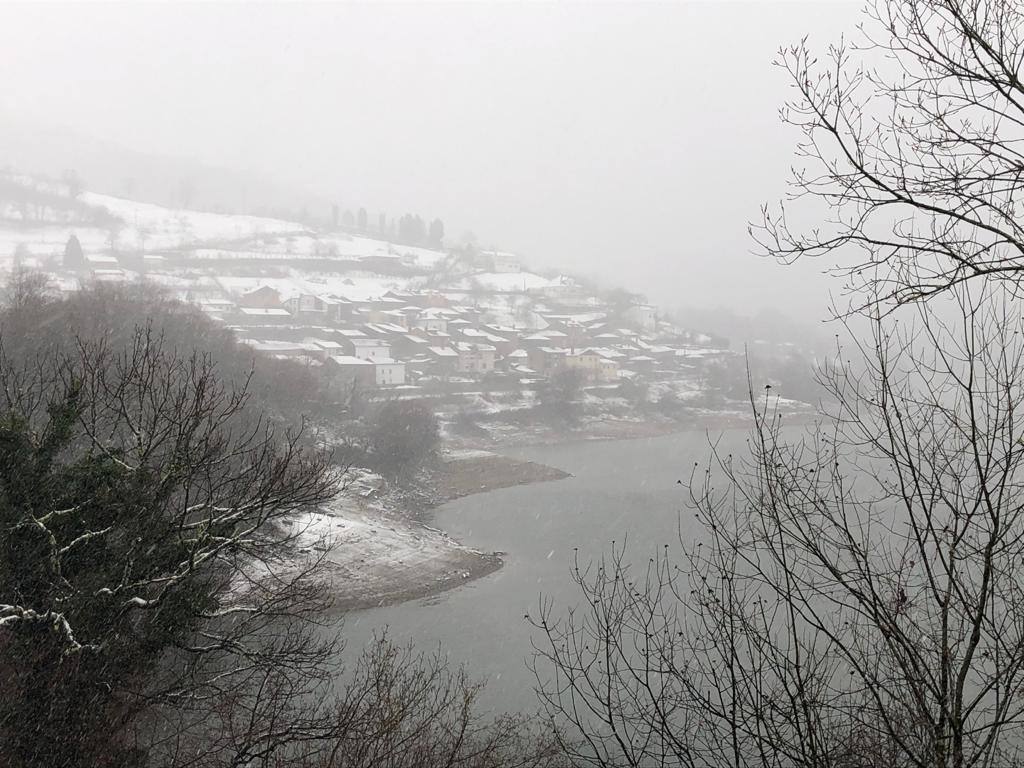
x: 619, y: 490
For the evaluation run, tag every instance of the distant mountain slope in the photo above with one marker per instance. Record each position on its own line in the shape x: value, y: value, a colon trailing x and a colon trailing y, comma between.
x: 171, y: 181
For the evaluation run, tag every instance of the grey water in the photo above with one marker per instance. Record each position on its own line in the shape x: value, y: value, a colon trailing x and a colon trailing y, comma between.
x: 619, y: 490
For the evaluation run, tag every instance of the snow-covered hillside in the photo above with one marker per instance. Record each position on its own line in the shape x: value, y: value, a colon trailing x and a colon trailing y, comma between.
x: 213, y: 257
x: 134, y: 226
x: 212, y: 242
x: 354, y: 287
x: 153, y: 226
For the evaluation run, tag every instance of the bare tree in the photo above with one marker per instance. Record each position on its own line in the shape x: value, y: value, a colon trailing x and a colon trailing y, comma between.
x: 145, y: 523
x: 25, y: 288
x: 156, y: 604
x: 856, y: 597
x: 911, y: 149
x: 407, y: 709
x: 74, y: 183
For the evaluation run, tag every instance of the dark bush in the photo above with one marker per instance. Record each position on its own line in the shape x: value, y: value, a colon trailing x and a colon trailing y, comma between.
x: 402, y: 436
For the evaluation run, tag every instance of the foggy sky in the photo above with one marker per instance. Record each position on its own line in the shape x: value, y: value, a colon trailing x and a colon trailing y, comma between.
x: 631, y: 142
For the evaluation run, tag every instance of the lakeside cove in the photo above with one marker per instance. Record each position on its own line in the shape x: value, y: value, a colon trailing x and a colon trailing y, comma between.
x: 386, y: 546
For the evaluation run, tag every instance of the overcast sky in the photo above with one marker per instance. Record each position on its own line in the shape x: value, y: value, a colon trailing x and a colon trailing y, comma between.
x: 629, y: 141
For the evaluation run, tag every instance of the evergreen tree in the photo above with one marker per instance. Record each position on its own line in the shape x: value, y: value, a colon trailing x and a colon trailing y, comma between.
x: 73, y: 256
x: 436, y: 238
x: 405, y: 228
x: 73, y: 182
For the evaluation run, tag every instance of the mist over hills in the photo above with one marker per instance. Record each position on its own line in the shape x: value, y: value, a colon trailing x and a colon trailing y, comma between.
x: 166, y: 180
x: 182, y: 182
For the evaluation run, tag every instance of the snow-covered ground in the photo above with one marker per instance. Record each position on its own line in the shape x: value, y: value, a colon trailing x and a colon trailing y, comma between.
x: 49, y: 240
x: 362, y: 247
x: 150, y: 227
x: 355, y: 287
x: 330, y: 246
x: 374, y: 559
x: 154, y: 226
x: 507, y: 281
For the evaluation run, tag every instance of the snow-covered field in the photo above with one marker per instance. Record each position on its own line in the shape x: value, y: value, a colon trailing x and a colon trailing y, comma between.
x: 154, y: 226
x: 49, y: 240
x: 150, y: 227
x: 355, y: 246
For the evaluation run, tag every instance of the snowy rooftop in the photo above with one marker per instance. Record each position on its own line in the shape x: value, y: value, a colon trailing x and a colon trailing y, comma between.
x: 443, y: 351
x: 465, y: 346
x: 349, y: 360
x: 264, y: 311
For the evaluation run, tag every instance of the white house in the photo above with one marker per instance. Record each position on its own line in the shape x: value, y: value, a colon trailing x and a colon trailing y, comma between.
x: 388, y: 372
x: 361, y: 371
x: 371, y: 349
x: 504, y: 262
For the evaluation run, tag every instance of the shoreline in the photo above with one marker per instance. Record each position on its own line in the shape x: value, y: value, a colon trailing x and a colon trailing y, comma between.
x: 388, y: 551
x: 612, y: 430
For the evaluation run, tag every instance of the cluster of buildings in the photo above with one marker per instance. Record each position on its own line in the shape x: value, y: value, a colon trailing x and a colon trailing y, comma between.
x: 445, y: 322
x: 411, y: 337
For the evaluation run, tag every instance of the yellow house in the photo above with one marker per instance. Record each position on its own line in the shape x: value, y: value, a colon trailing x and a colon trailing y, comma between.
x: 586, y: 360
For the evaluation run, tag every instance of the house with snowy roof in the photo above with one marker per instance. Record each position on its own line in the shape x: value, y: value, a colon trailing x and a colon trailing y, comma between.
x: 388, y: 372
x: 594, y: 365
x: 475, y: 357
x: 546, y: 360
x: 369, y: 348
x: 354, y: 369
x: 433, y: 319
x: 263, y: 297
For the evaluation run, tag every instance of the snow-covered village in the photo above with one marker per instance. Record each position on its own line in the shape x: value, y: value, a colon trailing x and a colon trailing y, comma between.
x: 470, y: 338
x: 471, y: 328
